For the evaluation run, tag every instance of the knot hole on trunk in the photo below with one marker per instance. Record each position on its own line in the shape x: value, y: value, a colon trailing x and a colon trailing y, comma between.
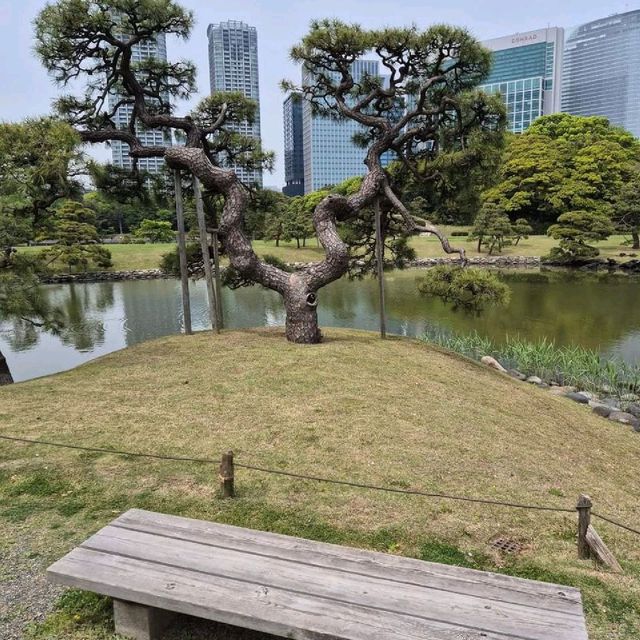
x: 312, y: 299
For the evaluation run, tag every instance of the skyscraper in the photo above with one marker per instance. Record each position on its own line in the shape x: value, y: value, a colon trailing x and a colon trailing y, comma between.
x: 330, y: 155
x: 233, y: 66
x: 293, y: 147
x: 602, y: 70
x: 527, y: 73
x: 156, y: 48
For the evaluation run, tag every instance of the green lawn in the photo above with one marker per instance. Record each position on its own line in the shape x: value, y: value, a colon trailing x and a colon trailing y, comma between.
x: 397, y: 413
x: 148, y: 256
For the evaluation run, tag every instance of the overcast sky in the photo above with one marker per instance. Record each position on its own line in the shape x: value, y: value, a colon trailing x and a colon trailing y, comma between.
x: 25, y: 89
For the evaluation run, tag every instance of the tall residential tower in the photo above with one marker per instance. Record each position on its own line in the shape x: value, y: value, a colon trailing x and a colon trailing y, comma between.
x: 156, y: 48
x: 527, y: 73
x: 233, y: 66
x: 602, y: 70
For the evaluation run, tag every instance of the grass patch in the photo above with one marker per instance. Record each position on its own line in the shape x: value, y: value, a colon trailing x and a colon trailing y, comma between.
x: 77, y: 614
x: 396, y: 413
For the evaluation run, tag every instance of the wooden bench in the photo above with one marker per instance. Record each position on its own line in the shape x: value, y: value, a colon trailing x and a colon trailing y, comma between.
x: 154, y: 565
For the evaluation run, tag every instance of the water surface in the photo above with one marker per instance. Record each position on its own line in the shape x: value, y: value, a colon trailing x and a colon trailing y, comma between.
x: 597, y: 311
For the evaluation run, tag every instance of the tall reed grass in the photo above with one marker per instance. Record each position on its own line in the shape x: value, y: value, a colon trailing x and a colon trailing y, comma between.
x: 566, y: 365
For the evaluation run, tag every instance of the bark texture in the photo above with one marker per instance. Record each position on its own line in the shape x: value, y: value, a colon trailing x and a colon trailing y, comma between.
x: 5, y: 374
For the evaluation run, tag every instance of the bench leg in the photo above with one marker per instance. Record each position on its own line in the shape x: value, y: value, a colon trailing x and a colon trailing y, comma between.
x: 139, y: 622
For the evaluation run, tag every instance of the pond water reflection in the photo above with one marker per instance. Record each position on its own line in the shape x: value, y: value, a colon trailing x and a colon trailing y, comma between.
x: 597, y: 311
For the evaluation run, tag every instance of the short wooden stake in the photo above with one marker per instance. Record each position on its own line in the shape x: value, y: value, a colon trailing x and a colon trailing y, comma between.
x: 226, y: 475
x: 584, y: 520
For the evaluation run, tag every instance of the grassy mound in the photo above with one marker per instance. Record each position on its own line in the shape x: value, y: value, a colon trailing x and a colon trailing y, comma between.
x: 397, y: 413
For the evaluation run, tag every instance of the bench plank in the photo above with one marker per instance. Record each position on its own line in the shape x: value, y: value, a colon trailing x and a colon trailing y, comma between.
x: 490, y: 586
x: 302, y: 589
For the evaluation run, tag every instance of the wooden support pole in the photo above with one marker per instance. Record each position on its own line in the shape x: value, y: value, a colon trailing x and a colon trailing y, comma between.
x: 600, y: 552
x: 227, y: 475
x: 584, y: 520
x: 218, y: 284
x: 380, y: 267
x: 182, y: 254
x: 204, y: 245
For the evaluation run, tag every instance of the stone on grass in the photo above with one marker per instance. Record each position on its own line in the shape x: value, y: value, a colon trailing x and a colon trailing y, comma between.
x: 602, y: 410
x: 634, y: 409
x: 534, y: 380
x: 576, y: 396
x: 625, y: 418
x: 614, y: 403
x: 561, y: 391
x: 493, y: 363
x: 518, y: 375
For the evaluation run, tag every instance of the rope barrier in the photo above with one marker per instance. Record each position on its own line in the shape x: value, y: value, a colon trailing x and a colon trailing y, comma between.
x: 614, y: 522
x: 411, y: 492
x: 113, y: 451
x: 300, y: 476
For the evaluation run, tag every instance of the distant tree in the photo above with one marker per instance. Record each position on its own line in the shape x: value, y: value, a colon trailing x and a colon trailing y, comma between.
x: 492, y: 228
x: 155, y: 231
x: 626, y: 208
x: 521, y: 230
x: 73, y: 228
x: 564, y: 163
x: 575, y: 230
x: 264, y: 208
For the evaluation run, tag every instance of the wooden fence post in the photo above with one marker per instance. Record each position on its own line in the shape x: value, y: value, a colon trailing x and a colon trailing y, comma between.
x: 227, y: 475
x: 584, y: 520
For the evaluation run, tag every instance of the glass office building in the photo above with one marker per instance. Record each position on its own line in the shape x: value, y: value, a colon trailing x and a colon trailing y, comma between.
x: 527, y: 73
x: 330, y: 155
x: 233, y: 66
x: 602, y: 70
x: 156, y: 48
x: 293, y: 148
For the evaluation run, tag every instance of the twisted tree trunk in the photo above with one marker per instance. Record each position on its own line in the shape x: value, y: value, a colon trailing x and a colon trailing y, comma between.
x: 300, y: 289
x: 5, y: 374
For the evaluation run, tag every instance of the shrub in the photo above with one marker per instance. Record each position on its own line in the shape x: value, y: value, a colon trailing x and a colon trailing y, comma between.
x: 465, y: 287
x: 170, y: 262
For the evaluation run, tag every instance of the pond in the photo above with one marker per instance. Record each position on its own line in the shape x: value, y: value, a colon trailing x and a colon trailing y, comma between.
x: 601, y: 312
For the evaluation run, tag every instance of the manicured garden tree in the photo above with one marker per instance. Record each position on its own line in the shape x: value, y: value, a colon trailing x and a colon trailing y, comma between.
x: 431, y: 73
x: 575, y: 230
x: 492, y: 227
x: 73, y: 228
x: 626, y: 208
x: 521, y: 230
x: 470, y: 289
x: 155, y: 231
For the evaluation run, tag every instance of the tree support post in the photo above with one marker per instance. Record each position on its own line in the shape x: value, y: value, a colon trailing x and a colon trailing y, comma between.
x: 584, y: 520
x: 227, y: 475
x: 218, y: 285
x: 380, y: 267
x: 204, y: 245
x: 182, y: 255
